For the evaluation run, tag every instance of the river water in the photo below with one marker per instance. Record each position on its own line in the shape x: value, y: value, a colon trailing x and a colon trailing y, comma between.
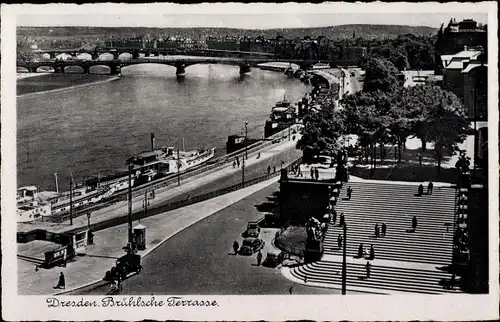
x: 94, y: 129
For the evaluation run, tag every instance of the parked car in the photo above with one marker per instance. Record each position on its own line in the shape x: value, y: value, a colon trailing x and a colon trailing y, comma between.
x: 274, y: 258
x: 251, y: 245
x: 253, y: 229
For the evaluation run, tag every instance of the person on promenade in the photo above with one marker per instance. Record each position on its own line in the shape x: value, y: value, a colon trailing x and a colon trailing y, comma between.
x: 334, y: 216
x: 316, y: 173
x: 430, y: 186
x: 414, y: 223
x: 236, y: 246
x: 312, y: 173
x: 376, y: 230
x: 268, y: 169
x: 372, y: 252
x: 62, y: 282
x: 349, y: 193
x: 274, y: 169
x: 258, y: 155
x: 420, y: 190
x: 360, y: 250
x: 259, y: 258
x: 384, y: 229
x: 368, y: 268
x: 234, y: 164
x: 237, y: 162
x: 339, y: 241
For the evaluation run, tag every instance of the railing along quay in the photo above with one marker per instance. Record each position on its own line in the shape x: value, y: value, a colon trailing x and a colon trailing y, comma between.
x: 140, y: 214
x: 172, y: 179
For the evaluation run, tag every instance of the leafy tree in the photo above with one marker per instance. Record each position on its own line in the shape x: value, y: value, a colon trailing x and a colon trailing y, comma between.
x: 380, y: 74
x: 442, y: 119
x: 321, y: 133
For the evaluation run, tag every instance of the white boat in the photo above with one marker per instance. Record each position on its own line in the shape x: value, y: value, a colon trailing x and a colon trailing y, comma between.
x: 150, y: 165
x: 30, y: 206
x: 284, y: 110
x: 81, y: 197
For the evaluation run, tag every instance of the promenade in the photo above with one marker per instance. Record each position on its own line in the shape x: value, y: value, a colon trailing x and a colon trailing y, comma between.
x: 108, y: 243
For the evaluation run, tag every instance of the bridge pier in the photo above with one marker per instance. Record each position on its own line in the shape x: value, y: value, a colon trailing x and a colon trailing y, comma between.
x: 244, y: 69
x: 181, y: 70
x: 32, y: 69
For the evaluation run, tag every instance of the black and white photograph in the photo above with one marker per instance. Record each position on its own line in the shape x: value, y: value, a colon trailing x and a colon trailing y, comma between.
x: 210, y: 157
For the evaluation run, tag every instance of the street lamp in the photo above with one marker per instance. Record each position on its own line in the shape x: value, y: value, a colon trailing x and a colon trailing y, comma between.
x: 130, y: 236
x: 344, y: 263
x: 246, y: 140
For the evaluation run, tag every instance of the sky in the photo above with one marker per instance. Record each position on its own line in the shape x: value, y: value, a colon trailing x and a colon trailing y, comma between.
x: 258, y: 16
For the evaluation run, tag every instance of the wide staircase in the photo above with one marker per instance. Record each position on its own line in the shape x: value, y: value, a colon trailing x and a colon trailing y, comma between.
x: 405, y: 260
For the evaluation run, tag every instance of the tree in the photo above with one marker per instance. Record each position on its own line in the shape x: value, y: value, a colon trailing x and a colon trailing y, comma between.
x: 321, y: 133
x: 380, y: 74
x: 442, y: 119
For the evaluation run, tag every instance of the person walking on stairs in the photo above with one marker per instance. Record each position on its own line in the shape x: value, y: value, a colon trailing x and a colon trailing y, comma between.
x: 368, y: 268
x: 259, y: 258
x: 384, y: 229
x: 342, y: 220
x: 420, y: 190
x: 372, y: 252
x: 430, y: 186
x: 360, y: 250
x: 414, y: 223
x: 349, y: 193
x: 334, y: 216
x: 377, y: 232
x: 339, y: 241
x: 236, y: 246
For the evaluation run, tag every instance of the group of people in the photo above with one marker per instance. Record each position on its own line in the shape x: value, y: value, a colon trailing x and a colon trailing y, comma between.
x: 341, y: 218
x: 296, y: 169
x: 314, y: 173
x: 363, y: 252
x: 430, y: 187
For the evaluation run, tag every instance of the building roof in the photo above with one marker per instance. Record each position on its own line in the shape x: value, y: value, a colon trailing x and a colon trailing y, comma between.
x: 455, y: 65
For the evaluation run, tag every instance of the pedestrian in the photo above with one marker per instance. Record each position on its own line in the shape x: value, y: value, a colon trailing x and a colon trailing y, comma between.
x: 414, y: 223
x: 62, y: 282
x: 290, y: 290
x: 236, y: 246
x: 384, y: 229
x: 334, y: 216
x: 368, y: 267
x: 259, y: 258
x: 258, y: 155
x: 305, y: 278
x: 420, y: 190
x: 234, y: 163
x: 339, y: 241
x: 316, y: 173
x: 342, y: 220
x: 376, y: 230
x: 349, y: 193
x: 372, y: 252
x: 453, y: 281
x: 430, y: 186
x: 274, y: 169
x: 312, y: 173
x: 360, y: 250
x: 268, y: 169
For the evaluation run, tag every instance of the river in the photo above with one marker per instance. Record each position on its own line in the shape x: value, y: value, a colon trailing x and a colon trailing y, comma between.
x: 93, y: 129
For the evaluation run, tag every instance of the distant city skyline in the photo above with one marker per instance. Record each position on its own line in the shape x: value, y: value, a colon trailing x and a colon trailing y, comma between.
x: 268, y: 16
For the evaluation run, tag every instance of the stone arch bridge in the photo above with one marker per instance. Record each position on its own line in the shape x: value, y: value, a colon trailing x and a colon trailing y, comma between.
x: 179, y: 62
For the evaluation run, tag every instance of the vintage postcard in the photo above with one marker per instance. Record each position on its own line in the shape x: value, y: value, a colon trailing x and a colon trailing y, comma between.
x: 238, y: 161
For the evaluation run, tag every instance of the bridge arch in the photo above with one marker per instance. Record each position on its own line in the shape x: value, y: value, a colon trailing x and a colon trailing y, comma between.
x: 84, y: 56
x: 45, y: 69
x: 125, y: 56
x: 100, y: 70
x: 106, y: 57
x: 74, y: 69
x: 46, y: 56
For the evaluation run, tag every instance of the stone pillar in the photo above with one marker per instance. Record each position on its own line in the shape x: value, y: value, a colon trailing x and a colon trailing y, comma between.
x: 181, y: 69
x: 244, y: 69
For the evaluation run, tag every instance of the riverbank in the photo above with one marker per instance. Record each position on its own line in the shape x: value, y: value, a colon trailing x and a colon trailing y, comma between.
x: 31, y: 85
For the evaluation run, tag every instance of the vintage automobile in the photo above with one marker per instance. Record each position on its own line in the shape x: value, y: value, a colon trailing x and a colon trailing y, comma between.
x: 274, y: 258
x: 251, y: 245
x: 253, y: 229
x: 126, y: 266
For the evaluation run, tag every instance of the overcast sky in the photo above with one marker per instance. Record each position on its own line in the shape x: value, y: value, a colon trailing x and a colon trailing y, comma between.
x: 257, y: 16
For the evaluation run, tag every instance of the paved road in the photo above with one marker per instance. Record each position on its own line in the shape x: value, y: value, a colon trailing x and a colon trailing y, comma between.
x: 199, y: 260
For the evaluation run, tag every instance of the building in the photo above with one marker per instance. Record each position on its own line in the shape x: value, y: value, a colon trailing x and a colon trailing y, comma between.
x: 459, y: 34
x: 453, y: 65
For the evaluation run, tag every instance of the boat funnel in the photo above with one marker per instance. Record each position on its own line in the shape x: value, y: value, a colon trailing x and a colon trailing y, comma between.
x: 153, y: 141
